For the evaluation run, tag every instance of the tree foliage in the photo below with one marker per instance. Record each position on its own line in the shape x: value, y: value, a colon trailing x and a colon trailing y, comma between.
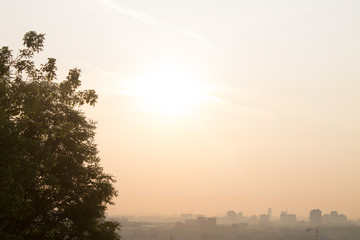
x: 51, y: 184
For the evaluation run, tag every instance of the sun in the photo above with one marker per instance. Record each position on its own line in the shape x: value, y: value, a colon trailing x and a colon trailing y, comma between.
x: 167, y: 90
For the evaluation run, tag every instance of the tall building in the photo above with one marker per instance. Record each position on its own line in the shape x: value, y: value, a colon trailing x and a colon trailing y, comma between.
x: 315, y: 217
x: 231, y: 216
x: 201, y: 221
x: 240, y: 217
x: 211, y: 222
x: 269, y: 213
x: 283, y: 216
x: 264, y: 218
x: 287, y: 218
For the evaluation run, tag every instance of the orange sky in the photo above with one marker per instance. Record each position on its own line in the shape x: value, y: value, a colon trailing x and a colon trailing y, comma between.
x: 207, y: 106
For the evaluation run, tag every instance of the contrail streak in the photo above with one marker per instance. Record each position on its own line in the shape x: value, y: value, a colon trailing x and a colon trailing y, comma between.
x: 156, y: 22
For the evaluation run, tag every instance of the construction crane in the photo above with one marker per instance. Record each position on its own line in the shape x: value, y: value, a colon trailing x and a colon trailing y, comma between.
x: 316, y: 230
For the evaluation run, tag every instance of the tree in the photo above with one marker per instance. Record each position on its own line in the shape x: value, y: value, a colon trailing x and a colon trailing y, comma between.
x: 51, y: 183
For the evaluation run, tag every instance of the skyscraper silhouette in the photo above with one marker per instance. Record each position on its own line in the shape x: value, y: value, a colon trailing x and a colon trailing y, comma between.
x: 315, y: 217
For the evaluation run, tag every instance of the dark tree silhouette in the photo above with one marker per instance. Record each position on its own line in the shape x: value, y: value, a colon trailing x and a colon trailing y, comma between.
x: 51, y: 184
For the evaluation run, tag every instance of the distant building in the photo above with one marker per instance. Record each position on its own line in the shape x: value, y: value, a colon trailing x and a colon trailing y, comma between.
x: 211, y: 222
x: 264, y: 218
x: 124, y: 219
x: 178, y: 224
x: 231, y: 216
x: 191, y: 222
x: 269, y: 213
x: 286, y: 218
x: 201, y: 222
x: 253, y: 219
x: 186, y: 216
x: 334, y: 218
x: 283, y: 217
x: 240, y: 217
x: 315, y: 217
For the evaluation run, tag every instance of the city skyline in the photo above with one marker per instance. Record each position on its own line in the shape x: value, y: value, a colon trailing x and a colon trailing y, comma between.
x: 314, y: 216
x: 333, y: 226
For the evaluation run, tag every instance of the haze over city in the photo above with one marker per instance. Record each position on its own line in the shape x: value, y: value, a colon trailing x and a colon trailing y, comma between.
x: 206, y: 106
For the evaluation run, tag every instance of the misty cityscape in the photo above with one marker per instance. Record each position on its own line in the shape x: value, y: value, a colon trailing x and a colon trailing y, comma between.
x: 180, y: 120
x: 235, y: 225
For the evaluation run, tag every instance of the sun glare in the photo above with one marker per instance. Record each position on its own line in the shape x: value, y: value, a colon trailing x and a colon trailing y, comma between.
x: 167, y: 90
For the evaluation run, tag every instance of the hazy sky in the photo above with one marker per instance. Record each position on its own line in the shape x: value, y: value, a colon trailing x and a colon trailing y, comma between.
x: 209, y: 105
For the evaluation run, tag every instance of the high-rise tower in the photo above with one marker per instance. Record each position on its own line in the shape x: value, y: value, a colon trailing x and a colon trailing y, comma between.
x: 269, y: 213
x: 315, y: 217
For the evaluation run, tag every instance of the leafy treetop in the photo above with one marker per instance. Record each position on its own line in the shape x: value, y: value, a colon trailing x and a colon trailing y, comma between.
x: 51, y: 183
